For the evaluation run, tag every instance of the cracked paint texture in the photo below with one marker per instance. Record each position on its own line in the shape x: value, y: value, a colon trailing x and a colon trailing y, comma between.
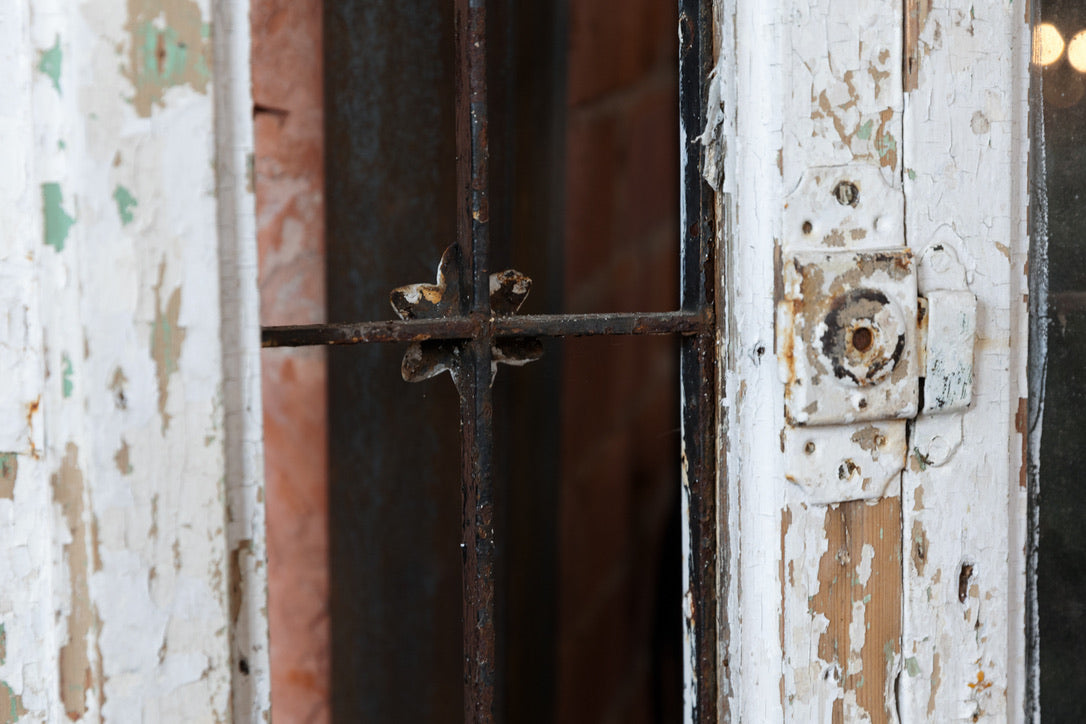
x: 116, y: 513
x: 933, y: 98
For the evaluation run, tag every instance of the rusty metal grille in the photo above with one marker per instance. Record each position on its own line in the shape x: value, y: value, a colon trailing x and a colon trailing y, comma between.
x: 466, y: 324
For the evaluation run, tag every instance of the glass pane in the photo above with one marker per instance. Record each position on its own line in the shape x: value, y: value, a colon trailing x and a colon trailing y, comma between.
x: 1060, y: 53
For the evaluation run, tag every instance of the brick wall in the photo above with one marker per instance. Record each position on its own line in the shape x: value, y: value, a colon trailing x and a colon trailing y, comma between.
x: 619, y: 616
x: 289, y: 183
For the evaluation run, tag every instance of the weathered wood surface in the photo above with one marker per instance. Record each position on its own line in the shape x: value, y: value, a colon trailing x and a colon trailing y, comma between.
x: 966, y: 141
x: 131, y: 523
x: 827, y: 621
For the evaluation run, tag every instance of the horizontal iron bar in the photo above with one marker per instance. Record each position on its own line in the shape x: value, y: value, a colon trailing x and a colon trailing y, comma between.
x: 527, y: 325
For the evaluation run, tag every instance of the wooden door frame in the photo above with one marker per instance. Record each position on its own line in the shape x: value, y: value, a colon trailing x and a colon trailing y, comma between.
x: 946, y: 565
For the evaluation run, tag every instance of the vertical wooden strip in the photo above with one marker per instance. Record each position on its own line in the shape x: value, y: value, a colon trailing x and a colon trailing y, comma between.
x: 242, y: 428
x: 816, y: 610
x: 842, y: 605
x: 966, y: 141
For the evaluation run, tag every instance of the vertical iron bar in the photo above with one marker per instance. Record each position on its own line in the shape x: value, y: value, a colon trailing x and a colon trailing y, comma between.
x: 481, y: 668
x: 698, y: 359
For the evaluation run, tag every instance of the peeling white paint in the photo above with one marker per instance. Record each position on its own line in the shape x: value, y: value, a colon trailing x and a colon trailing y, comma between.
x: 140, y: 484
x: 820, y: 84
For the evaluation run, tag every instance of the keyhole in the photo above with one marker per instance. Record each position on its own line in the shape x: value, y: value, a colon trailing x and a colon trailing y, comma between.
x: 861, y: 339
x: 846, y: 193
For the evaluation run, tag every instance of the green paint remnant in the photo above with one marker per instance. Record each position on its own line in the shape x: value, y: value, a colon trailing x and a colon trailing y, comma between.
x: 888, y: 652
x: 864, y: 131
x: 11, y: 704
x: 922, y: 460
x: 125, y: 201
x: 3, y: 645
x: 912, y: 174
x: 50, y: 63
x: 166, y: 339
x: 250, y: 171
x: 66, y: 384
x: 886, y: 146
x: 860, y: 683
x: 170, y: 46
x: 61, y: 145
x: 912, y: 668
x: 9, y: 468
x: 57, y: 221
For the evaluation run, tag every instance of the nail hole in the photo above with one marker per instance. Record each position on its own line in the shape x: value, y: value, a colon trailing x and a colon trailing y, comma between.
x: 809, y: 448
x: 963, y: 581
x: 846, y: 193
x: 808, y: 227
x: 862, y: 404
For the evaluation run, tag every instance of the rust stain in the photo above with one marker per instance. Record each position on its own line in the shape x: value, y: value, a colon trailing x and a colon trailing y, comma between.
x: 850, y: 527
x: 166, y: 339
x: 77, y: 677
x: 169, y: 45
x: 1021, y: 426
x: 9, y: 468
x: 31, y: 410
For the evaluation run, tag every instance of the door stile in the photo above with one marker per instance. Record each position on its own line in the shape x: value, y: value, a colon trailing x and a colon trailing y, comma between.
x: 815, y: 604
x: 964, y: 494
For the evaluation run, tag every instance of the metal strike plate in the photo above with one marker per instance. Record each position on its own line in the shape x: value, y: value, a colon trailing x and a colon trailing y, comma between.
x: 867, y: 337
x: 847, y: 336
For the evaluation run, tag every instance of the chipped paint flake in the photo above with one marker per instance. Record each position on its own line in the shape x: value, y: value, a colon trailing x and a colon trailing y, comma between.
x: 50, y: 63
x: 169, y: 46
x: 77, y: 678
x: 125, y: 201
x: 57, y: 221
x: 166, y: 339
x: 121, y: 459
x: 11, y: 705
x: 66, y: 383
x: 9, y: 468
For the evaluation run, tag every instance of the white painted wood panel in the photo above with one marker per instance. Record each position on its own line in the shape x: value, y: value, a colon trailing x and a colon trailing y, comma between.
x: 824, y: 600
x: 966, y: 143
x: 131, y: 562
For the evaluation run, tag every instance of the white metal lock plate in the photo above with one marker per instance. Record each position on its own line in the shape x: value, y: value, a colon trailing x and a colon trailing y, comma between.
x: 847, y: 336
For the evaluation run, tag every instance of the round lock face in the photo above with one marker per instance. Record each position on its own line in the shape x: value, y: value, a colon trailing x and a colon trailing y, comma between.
x: 863, y: 337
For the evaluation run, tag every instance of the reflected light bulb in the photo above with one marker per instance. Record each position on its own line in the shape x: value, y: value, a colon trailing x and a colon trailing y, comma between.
x: 1047, y: 44
x: 1076, y: 51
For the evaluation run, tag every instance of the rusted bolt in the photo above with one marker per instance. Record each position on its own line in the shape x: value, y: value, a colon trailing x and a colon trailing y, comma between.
x: 808, y: 227
x: 809, y: 448
x: 846, y: 193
